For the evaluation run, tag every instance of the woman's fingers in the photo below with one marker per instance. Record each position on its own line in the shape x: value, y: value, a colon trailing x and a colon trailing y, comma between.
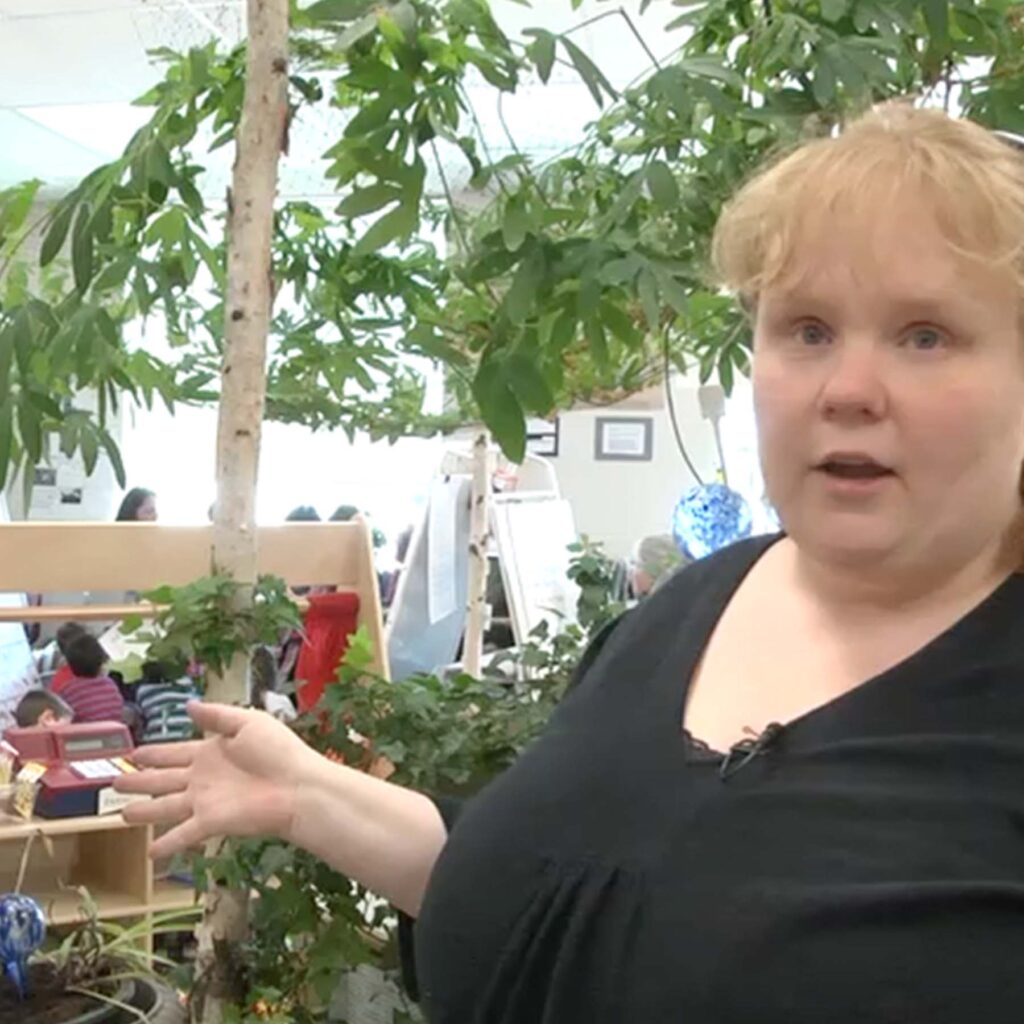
x: 153, y: 783
x: 167, y: 755
x: 219, y: 718
x: 177, y: 840
x: 161, y: 810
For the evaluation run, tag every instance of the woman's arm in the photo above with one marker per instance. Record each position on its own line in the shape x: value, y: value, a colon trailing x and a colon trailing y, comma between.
x: 252, y: 776
x: 384, y: 836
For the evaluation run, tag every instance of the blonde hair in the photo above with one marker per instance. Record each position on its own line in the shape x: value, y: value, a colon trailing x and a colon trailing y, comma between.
x: 971, y: 178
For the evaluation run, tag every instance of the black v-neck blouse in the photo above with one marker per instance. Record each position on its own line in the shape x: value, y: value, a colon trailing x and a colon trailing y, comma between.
x: 866, y: 867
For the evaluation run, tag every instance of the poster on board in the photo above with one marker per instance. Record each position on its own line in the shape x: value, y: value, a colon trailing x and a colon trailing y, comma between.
x: 533, y: 533
x: 428, y: 615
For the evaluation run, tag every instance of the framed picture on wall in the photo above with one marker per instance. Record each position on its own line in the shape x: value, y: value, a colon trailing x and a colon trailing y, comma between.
x: 542, y: 437
x: 623, y: 438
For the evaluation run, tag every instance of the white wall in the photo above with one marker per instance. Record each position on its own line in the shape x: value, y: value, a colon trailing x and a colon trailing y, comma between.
x: 618, y: 503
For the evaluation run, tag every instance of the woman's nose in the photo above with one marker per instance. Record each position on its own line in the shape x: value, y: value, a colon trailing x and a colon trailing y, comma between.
x: 855, y: 386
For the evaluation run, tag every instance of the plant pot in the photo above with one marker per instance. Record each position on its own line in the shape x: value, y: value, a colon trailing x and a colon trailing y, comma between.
x: 156, y: 1003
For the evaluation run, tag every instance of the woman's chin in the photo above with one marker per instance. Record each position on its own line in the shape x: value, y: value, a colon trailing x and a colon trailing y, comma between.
x: 855, y: 541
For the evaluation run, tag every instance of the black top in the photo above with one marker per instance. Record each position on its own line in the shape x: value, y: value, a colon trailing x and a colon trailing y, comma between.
x: 867, y: 867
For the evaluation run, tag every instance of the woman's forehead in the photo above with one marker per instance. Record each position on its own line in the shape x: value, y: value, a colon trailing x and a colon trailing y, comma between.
x: 900, y: 258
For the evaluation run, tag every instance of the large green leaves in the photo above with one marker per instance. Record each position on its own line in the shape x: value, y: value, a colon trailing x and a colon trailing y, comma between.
x: 500, y: 409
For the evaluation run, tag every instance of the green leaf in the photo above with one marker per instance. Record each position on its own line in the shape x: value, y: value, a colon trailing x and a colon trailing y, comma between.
x: 594, y: 331
x: 90, y: 451
x: 114, y: 454
x: 529, y: 384
x: 6, y: 440
x: 6, y: 356
x: 356, y: 31
x: 713, y: 68
x: 833, y: 10
x: 500, y: 411
x: 674, y: 293
x: 58, y: 230
x: 338, y: 10
x: 519, y: 301
x: 725, y: 373
x: 399, y: 223
x: 593, y: 77
x: 824, y: 82
x: 81, y: 249
x: 30, y: 429
x: 158, y: 165
x: 542, y: 52
x: 618, y: 321
x: 662, y: 183
x: 368, y: 200
x: 936, y: 17
x: 647, y: 288
x: 516, y: 223
x: 563, y: 330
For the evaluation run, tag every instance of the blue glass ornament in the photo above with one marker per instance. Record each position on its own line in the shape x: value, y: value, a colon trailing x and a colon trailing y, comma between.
x: 709, y: 517
x: 22, y: 930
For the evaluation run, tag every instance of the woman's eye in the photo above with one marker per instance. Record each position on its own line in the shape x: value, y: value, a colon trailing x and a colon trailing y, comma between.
x: 812, y: 334
x: 924, y: 339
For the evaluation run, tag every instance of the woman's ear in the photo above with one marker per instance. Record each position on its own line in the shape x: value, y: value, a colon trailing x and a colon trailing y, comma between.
x: 48, y: 719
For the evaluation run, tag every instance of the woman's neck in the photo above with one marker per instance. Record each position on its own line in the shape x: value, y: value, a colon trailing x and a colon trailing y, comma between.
x: 863, y: 591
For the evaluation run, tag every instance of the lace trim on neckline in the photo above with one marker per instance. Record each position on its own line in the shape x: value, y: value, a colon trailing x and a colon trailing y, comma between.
x: 699, y: 747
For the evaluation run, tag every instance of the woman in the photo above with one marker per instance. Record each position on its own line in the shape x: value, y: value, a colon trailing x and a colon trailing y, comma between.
x: 842, y: 839
x: 139, y: 505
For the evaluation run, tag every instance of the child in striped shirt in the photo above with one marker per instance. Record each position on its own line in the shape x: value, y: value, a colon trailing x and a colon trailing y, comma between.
x: 163, y: 705
x: 92, y: 695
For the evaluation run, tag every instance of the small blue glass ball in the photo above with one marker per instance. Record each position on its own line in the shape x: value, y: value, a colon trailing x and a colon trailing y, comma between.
x: 709, y: 517
x: 22, y: 931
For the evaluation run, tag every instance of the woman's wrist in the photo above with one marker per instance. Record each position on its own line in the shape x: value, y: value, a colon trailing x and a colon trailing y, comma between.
x: 313, y: 778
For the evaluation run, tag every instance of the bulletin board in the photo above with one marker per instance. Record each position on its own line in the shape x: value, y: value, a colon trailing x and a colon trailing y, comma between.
x: 533, y: 533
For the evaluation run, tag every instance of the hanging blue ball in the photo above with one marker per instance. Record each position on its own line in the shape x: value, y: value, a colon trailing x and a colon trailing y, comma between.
x: 22, y: 931
x: 709, y: 517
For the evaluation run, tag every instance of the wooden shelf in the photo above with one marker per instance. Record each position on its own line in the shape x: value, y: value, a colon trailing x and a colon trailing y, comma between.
x: 171, y: 895
x: 65, y: 906
x: 16, y: 828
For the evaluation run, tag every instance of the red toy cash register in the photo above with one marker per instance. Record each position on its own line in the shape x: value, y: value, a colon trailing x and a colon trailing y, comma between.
x: 81, y: 763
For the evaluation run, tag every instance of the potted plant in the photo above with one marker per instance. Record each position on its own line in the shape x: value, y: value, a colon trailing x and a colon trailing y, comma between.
x: 99, y: 973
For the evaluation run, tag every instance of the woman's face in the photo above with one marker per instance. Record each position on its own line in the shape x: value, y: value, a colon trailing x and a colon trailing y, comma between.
x: 147, y: 510
x: 889, y: 392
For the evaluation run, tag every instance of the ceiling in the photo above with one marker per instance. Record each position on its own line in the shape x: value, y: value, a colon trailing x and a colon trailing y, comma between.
x: 72, y: 67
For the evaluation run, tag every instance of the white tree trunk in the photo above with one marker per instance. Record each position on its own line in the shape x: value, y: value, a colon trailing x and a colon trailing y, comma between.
x: 219, y: 981
x: 479, y: 537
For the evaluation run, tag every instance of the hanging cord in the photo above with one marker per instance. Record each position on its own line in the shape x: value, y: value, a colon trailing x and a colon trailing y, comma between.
x: 670, y: 402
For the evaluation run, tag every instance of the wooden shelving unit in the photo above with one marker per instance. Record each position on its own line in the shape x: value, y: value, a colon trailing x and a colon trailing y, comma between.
x: 101, y: 854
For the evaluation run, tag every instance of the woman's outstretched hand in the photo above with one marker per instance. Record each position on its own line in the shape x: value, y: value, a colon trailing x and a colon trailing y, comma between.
x: 239, y: 781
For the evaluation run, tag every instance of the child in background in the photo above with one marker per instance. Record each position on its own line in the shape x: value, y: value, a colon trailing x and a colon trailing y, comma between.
x: 163, y: 705
x: 92, y: 696
x: 40, y: 707
x: 65, y: 635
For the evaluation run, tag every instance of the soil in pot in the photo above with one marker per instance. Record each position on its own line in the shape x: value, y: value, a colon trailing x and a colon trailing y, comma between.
x: 49, y: 1003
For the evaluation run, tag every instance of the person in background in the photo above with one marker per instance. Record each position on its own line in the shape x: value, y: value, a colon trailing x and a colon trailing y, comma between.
x: 92, y: 695
x: 65, y: 635
x: 654, y: 559
x: 139, y: 506
x: 303, y: 514
x: 40, y: 707
x: 163, y: 701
